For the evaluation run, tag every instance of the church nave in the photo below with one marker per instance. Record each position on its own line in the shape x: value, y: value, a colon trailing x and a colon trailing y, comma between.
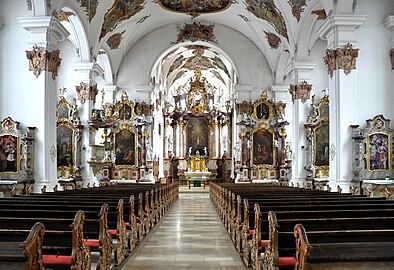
x: 189, y: 236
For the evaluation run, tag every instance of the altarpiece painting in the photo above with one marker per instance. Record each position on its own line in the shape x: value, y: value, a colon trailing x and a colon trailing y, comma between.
x: 197, y: 134
x: 263, y: 147
x: 125, y: 147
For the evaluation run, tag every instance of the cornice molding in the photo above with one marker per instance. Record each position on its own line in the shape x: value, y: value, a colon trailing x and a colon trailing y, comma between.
x: 44, y: 30
x: 344, y: 26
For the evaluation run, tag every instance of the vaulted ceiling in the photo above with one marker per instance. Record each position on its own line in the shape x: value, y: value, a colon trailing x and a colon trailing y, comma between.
x: 276, y: 27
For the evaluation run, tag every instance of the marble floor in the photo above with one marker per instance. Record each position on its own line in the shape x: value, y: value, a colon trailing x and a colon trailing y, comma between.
x: 189, y: 236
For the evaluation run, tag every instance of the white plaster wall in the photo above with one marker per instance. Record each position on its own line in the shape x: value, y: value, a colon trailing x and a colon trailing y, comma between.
x: 252, y: 66
x: 374, y: 76
x: 67, y: 76
x: 319, y: 74
x: 14, y: 74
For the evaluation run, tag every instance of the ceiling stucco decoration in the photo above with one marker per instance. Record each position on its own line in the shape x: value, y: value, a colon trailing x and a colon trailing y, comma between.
x: 273, y: 40
x: 114, y: 40
x: 29, y: 5
x: 63, y: 16
x: 321, y: 14
x: 297, y: 7
x: 120, y: 11
x: 90, y: 7
x: 267, y: 10
x: 195, y: 8
x: 196, y: 32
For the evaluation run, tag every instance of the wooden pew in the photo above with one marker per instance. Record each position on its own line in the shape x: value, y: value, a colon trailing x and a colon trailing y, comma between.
x: 66, y: 249
x: 352, y: 249
x: 25, y: 255
x: 282, y: 246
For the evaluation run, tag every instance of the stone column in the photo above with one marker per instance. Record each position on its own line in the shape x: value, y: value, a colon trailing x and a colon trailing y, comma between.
x: 45, y: 32
x: 340, y: 30
x: 302, y: 73
x: 85, y: 74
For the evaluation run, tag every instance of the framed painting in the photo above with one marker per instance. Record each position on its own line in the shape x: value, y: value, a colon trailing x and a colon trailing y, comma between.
x: 9, y: 154
x: 378, y: 152
x: 125, y: 142
x: 321, y: 137
x: 263, y: 147
x: 65, y: 146
x: 197, y: 134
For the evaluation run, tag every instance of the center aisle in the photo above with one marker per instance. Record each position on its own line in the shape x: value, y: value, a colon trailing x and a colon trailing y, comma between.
x: 189, y: 236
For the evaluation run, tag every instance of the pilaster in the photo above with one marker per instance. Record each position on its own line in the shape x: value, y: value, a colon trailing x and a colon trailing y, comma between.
x: 340, y: 30
x: 302, y: 72
x: 85, y: 74
x: 46, y: 32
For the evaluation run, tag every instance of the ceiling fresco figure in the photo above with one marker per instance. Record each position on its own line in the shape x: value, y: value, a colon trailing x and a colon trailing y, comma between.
x: 297, y: 7
x: 195, y: 8
x: 120, y: 11
x: 266, y: 10
x: 90, y: 7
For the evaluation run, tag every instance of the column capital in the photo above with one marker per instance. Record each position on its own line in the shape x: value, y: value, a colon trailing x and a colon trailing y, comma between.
x: 45, y: 31
x: 87, y: 71
x: 339, y: 30
x: 301, y: 70
x: 281, y: 93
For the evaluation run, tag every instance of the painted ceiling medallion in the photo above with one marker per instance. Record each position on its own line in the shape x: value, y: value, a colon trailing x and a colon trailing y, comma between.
x: 90, y: 7
x: 266, y: 10
x: 273, y: 40
x: 120, y: 11
x: 114, y: 40
x: 297, y: 7
x: 196, y: 31
x: 195, y: 8
x: 198, y: 61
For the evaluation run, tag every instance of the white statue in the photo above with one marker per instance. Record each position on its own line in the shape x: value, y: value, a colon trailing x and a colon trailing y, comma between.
x: 205, y: 151
x: 190, y: 150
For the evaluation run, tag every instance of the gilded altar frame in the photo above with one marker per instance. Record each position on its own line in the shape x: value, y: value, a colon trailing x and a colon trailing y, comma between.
x: 68, y: 140
x: 321, y: 159
x: 373, y: 150
x: 10, y: 148
x: 263, y: 109
x: 317, y: 146
x: 264, y: 152
x: 125, y: 150
x: 124, y: 109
